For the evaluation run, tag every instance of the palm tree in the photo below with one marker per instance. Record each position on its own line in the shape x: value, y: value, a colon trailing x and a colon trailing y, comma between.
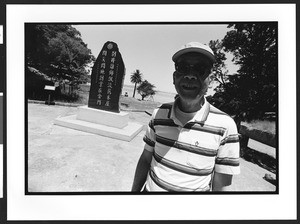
x: 136, y: 78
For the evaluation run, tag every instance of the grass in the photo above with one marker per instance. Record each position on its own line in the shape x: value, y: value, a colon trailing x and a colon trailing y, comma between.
x: 126, y: 103
x: 129, y: 103
x: 264, y: 125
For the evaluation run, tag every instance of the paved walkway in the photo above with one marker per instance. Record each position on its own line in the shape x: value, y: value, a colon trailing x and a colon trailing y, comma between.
x: 67, y: 160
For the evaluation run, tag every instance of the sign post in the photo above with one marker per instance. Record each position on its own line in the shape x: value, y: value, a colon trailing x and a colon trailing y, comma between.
x: 49, y: 90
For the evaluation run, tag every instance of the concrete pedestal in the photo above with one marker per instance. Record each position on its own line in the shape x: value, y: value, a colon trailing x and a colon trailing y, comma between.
x: 111, y: 119
x: 105, y: 123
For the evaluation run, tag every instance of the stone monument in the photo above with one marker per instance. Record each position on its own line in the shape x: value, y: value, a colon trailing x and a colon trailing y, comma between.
x: 107, y: 79
x: 102, y: 115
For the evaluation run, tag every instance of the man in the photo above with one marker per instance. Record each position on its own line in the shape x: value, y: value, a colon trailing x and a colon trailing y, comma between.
x: 189, y: 144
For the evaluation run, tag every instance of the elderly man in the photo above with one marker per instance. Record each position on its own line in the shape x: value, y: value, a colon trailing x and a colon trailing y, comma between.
x: 189, y: 144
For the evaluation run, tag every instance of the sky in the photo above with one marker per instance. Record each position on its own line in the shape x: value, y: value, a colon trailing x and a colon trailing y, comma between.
x: 150, y: 47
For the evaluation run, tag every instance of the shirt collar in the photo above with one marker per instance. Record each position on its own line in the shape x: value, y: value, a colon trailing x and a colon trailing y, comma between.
x: 200, y: 116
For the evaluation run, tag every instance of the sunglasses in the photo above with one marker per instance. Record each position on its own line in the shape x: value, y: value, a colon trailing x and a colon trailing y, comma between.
x: 183, y: 67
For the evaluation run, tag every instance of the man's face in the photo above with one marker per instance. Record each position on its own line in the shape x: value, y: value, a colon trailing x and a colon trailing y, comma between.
x: 191, y: 78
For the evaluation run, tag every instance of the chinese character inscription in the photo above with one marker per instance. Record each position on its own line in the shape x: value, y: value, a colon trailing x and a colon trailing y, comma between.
x: 107, y: 79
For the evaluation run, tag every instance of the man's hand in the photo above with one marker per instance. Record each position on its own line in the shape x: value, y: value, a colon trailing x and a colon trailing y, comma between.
x: 221, y: 182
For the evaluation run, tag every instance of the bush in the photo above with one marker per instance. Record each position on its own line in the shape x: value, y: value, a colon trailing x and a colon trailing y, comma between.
x: 34, y: 85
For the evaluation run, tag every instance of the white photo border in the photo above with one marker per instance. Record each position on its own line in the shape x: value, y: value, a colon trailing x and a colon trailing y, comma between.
x: 145, y: 207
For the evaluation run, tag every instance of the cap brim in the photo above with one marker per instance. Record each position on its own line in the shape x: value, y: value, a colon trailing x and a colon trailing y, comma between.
x: 210, y: 56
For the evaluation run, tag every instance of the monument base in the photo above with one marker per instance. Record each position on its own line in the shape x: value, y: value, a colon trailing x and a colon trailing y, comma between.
x: 117, y: 120
x: 84, y: 122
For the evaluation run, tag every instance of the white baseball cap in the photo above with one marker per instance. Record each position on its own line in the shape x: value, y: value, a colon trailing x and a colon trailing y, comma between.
x: 195, y: 47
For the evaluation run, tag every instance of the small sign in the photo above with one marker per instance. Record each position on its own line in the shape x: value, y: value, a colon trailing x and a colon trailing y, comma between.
x: 52, y: 88
x: 1, y: 34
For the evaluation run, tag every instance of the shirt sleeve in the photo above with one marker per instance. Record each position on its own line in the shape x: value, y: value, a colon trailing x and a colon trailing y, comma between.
x: 227, y: 160
x: 149, y: 137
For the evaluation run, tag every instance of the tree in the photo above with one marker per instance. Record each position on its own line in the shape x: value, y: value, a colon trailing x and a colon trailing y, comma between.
x: 68, y: 57
x: 219, y: 71
x: 136, y: 78
x: 253, y: 90
x: 146, y: 89
x: 58, y: 51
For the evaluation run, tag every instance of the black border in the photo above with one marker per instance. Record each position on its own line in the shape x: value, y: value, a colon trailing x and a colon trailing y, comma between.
x: 145, y: 193
x: 3, y: 201
x: 148, y: 2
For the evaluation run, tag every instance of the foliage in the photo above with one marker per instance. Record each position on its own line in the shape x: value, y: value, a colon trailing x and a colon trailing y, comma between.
x: 146, y: 89
x: 265, y: 125
x: 58, y: 51
x: 252, y: 91
x: 136, y: 78
x: 36, y: 82
x: 219, y: 71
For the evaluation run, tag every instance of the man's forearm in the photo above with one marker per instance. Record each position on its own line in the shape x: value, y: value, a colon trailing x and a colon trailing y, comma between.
x: 140, y: 174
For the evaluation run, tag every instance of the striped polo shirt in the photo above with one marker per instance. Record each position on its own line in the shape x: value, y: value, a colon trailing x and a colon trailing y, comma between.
x: 185, y: 156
